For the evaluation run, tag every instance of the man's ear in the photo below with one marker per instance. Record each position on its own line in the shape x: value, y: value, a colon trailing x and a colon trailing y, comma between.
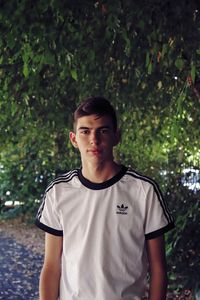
x: 72, y: 137
x: 117, y: 137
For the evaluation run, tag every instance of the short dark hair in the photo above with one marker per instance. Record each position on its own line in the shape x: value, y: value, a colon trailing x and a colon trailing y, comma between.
x: 96, y: 106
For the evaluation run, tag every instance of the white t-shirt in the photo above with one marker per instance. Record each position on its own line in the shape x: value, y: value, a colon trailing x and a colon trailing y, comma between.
x: 104, y: 228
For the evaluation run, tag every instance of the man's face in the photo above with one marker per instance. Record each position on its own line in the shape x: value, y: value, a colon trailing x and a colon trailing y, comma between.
x: 95, y: 138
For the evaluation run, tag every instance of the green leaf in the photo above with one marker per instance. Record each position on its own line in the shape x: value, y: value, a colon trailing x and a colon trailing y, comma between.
x: 25, y: 70
x: 49, y: 58
x: 165, y: 48
x: 11, y: 41
x: 62, y: 74
x: 27, y: 53
x: 198, y: 51
x: 147, y: 59
x: 150, y: 68
x: 74, y: 74
x: 179, y: 63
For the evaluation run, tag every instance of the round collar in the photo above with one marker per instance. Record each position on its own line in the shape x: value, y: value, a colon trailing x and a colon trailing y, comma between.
x: 103, y: 185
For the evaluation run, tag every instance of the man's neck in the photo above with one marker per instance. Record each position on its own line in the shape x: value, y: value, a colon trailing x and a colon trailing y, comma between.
x: 100, y: 173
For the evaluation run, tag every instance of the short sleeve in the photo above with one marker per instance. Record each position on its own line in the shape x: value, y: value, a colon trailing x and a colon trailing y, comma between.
x: 48, y: 217
x: 158, y: 219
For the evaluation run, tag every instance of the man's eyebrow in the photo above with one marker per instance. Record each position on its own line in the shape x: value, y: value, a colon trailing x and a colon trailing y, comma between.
x: 83, y: 127
x: 98, y: 128
x: 104, y: 127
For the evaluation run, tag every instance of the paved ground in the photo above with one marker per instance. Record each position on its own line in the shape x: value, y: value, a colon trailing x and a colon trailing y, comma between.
x: 19, y: 270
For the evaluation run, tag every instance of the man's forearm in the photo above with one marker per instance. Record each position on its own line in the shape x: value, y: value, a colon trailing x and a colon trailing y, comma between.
x: 158, y: 287
x: 49, y: 284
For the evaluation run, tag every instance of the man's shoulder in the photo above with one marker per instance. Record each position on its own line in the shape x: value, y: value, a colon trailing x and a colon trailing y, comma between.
x: 62, y: 178
x: 145, y: 179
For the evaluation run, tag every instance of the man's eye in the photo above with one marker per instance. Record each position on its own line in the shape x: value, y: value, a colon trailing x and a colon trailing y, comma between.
x: 104, y: 131
x: 85, y: 131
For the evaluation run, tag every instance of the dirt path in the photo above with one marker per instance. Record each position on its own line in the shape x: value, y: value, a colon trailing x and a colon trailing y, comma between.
x: 28, y: 235
x: 21, y: 257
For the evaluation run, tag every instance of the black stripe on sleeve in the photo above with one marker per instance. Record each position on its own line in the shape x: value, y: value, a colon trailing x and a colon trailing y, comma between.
x: 161, y: 231
x: 61, y: 179
x: 48, y: 229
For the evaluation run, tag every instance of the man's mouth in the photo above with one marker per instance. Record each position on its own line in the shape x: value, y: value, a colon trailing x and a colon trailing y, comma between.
x: 94, y: 151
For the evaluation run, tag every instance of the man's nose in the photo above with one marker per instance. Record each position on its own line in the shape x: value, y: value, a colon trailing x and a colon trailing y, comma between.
x: 95, y: 138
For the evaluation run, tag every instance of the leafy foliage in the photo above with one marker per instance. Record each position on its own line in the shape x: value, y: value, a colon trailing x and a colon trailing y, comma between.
x: 143, y: 55
x: 183, y: 243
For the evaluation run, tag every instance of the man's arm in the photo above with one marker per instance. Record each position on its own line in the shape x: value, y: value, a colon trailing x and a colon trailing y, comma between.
x: 50, y: 274
x: 158, y: 269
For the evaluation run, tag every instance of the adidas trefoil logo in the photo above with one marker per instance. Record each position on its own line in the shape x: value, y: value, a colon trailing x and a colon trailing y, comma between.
x: 122, y: 210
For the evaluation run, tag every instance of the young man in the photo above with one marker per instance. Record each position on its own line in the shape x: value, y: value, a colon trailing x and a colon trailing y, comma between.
x: 104, y: 223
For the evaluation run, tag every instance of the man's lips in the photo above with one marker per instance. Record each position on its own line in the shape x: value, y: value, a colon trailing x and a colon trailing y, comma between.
x: 94, y: 151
